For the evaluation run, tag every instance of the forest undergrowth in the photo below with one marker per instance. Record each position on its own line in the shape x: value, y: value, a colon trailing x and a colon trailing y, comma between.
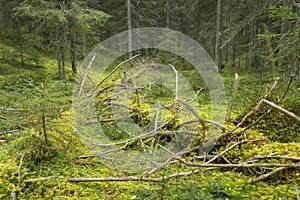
x: 41, y: 152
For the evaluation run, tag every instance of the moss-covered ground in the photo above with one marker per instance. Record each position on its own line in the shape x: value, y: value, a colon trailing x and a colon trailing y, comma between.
x: 30, y: 92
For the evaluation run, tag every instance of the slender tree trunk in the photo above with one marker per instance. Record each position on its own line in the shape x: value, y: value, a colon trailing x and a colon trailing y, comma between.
x: 284, y: 24
x: 167, y: 14
x: 254, y: 41
x: 218, y: 34
x: 63, y: 58
x: 129, y: 28
x: 73, y: 55
x: 21, y: 54
x: 84, y: 47
x: 233, y: 51
x: 58, y: 54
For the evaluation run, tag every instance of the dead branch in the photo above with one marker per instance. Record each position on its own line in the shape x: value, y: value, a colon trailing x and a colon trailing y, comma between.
x: 239, y: 165
x: 42, y: 178
x: 277, y: 157
x: 143, y: 136
x: 117, y: 67
x: 10, y: 121
x: 233, y: 97
x: 256, y: 108
x: 57, y: 181
x: 172, y: 158
x: 265, y: 176
x: 195, y: 113
x: 282, y: 110
x: 19, y: 168
x: 84, y: 76
x: 134, y: 178
x: 228, y: 149
x: 10, y: 131
x: 278, y: 101
x: 176, y: 83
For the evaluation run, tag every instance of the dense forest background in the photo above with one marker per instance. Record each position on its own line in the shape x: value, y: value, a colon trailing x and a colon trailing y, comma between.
x: 255, y: 45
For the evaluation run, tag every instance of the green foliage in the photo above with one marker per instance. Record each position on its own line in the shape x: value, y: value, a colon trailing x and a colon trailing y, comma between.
x: 8, y: 178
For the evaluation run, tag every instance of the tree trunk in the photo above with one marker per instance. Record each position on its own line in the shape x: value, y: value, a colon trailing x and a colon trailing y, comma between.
x: 233, y: 51
x: 218, y: 34
x: 73, y: 55
x: 59, y: 64
x: 167, y: 14
x: 21, y: 54
x: 129, y: 28
x: 254, y: 41
x: 284, y: 24
x: 84, y: 47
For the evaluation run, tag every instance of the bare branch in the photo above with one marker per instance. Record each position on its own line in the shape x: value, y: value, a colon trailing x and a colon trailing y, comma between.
x: 240, y: 165
x: 226, y: 150
x: 134, y: 178
x: 265, y: 176
x: 277, y: 157
x: 85, y: 75
x: 19, y: 168
x: 42, y: 178
x: 10, y: 121
x: 234, y: 92
x: 176, y: 83
x: 282, y: 110
x: 117, y: 67
x: 143, y: 136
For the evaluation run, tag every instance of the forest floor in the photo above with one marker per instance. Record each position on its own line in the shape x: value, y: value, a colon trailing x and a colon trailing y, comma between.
x: 33, y: 98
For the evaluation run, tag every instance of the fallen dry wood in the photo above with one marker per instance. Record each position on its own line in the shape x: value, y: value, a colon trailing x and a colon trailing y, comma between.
x: 240, y: 165
x: 257, y: 107
x: 43, y: 178
x: 10, y: 121
x: 265, y: 176
x: 277, y: 157
x: 282, y: 110
x: 134, y: 178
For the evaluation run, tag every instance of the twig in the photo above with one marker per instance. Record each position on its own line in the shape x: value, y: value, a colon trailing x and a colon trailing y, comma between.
x: 195, y: 97
x: 117, y: 67
x: 277, y: 157
x: 42, y: 178
x: 176, y: 83
x: 195, y: 113
x: 226, y: 150
x: 265, y: 176
x: 240, y: 165
x: 278, y: 101
x: 256, y: 108
x: 55, y: 178
x: 156, y: 120
x: 10, y: 131
x: 19, y: 168
x: 143, y: 136
x: 280, y: 109
x: 134, y: 178
x: 234, y: 92
x: 10, y: 121
x: 172, y: 158
x: 85, y: 75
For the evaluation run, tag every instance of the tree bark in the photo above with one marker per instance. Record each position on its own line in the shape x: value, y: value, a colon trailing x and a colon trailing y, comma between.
x: 218, y: 34
x: 129, y: 28
x: 167, y: 14
x: 73, y: 55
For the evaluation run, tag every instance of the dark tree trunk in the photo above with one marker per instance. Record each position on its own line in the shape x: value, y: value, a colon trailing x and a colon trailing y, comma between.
x: 73, y: 55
